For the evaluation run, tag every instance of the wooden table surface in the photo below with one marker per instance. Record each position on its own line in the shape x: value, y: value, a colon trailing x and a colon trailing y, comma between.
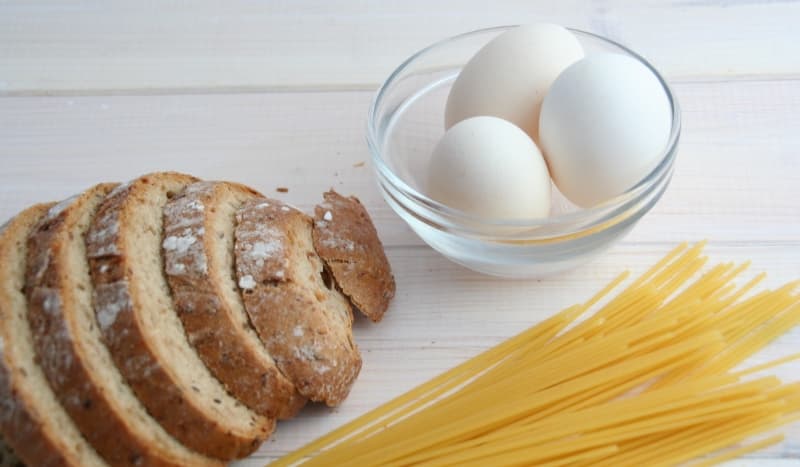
x: 275, y: 94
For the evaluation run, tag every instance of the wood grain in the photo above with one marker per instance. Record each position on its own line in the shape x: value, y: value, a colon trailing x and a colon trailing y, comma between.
x: 732, y: 186
x: 100, y: 47
x: 734, y: 179
x: 444, y: 314
x: 275, y: 94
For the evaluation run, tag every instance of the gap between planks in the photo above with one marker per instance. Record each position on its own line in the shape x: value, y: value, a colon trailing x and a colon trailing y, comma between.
x: 334, y: 88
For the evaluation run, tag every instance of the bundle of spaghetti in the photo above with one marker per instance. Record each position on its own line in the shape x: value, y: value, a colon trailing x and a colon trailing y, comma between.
x: 647, y: 378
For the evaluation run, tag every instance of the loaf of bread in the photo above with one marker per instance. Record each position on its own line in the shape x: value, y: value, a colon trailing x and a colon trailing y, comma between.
x: 170, y: 321
x: 70, y: 348
x: 31, y: 419
x: 347, y: 241
x: 198, y: 253
x: 302, y: 319
x: 136, y: 315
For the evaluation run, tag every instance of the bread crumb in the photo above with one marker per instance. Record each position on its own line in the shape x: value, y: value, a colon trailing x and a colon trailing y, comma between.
x: 263, y: 250
x: 304, y: 352
x: 180, y: 244
x: 359, y: 164
x: 115, y: 298
x: 338, y: 243
x: 282, y: 189
x: 195, y: 205
x: 57, y: 209
x: 247, y: 282
x: 175, y: 268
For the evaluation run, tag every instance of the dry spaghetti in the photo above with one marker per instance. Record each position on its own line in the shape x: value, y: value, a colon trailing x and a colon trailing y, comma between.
x: 647, y: 379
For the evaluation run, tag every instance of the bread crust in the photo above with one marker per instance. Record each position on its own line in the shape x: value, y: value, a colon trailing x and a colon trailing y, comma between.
x: 305, y: 325
x: 54, y: 306
x: 25, y: 424
x: 212, y: 316
x: 347, y: 241
x: 181, y: 410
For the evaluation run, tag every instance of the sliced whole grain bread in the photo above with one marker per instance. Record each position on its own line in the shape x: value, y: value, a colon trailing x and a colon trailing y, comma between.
x: 302, y: 319
x: 137, y: 318
x: 70, y: 348
x: 31, y: 420
x: 198, y: 256
x: 348, y: 243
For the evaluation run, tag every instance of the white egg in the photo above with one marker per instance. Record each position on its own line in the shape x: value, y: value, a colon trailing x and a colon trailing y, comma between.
x: 488, y: 167
x: 509, y: 76
x: 604, y: 125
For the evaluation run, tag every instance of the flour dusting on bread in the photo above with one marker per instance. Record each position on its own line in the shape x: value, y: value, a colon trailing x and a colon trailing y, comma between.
x: 346, y: 239
x: 176, y: 319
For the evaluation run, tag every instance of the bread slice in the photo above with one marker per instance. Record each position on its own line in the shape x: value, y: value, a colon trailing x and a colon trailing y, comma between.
x: 198, y: 254
x: 31, y: 420
x: 70, y: 349
x: 303, y: 321
x: 348, y: 243
x: 137, y: 317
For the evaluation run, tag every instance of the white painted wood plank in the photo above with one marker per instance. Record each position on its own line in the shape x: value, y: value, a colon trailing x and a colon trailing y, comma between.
x: 97, y: 46
x: 444, y: 314
x: 737, y: 181
x: 735, y: 184
x: 737, y: 177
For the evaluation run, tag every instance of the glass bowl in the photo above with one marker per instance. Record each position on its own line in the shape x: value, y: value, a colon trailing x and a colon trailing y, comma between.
x: 406, y: 120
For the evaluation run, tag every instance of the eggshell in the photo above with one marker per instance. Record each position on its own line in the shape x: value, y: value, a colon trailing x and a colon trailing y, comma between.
x: 509, y: 76
x: 488, y: 167
x: 604, y: 125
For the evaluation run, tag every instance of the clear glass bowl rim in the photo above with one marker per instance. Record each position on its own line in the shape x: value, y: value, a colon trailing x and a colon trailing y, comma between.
x: 597, y: 214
